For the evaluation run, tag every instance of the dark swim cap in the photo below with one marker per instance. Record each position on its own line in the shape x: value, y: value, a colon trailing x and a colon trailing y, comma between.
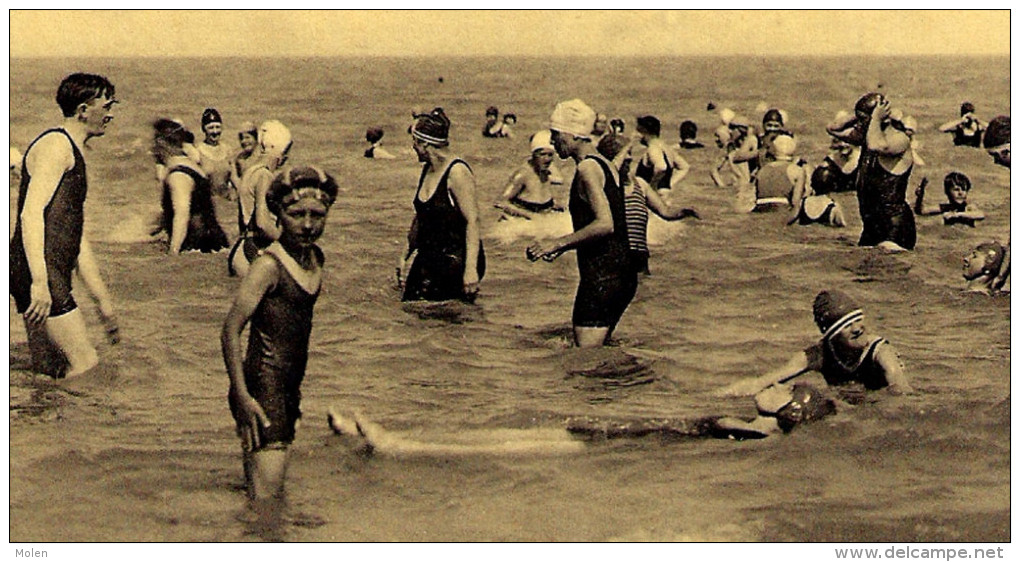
x: 649, y: 124
x: 432, y: 128
x: 823, y: 179
x: 773, y: 115
x: 688, y: 130
x: 965, y: 108
x: 868, y: 103
x: 833, y: 309
x: 618, y: 124
x: 171, y: 132
x: 374, y: 134
x: 808, y: 404
x: 997, y: 133
x: 492, y: 110
x: 293, y: 184
x: 210, y: 115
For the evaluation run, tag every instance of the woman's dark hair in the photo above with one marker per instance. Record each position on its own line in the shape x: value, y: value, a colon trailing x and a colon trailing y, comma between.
x: 170, y: 133
x: 688, y: 130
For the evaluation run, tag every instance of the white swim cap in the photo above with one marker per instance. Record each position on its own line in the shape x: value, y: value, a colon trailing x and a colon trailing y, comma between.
x: 542, y: 140
x: 274, y: 137
x: 909, y: 123
x: 15, y: 158
x: 784, y: 145
x: 574, y: 117
x: 726, y: 115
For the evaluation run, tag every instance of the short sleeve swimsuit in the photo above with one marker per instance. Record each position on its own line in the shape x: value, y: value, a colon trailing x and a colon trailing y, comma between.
x: 63, y: 219
x: 204, y: 231
x: 278, y: 349
x: 440, y: 235
x: 608, y: 282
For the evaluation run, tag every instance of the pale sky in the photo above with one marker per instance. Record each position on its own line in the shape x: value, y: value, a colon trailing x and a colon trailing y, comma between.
x: 569, y: 32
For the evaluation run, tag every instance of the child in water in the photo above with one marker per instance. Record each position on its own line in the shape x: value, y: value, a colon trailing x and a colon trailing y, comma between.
x: 846, y: 356
x: 277, y: 296
x: 957, y: 210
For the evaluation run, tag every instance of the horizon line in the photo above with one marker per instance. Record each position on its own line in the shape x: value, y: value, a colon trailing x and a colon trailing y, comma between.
x: 493, y: 55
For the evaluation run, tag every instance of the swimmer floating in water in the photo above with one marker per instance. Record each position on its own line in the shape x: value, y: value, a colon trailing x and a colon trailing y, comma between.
x: 847, y: 357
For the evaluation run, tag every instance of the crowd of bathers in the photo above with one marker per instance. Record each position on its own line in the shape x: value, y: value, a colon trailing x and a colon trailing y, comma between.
x: 618, y: 181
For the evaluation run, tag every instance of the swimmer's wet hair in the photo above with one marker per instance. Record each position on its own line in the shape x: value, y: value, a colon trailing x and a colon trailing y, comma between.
x: 80, y: 88
x: 296, y: 183
x: 956, y: 178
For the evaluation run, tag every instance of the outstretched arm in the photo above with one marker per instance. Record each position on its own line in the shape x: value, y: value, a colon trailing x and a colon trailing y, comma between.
x: 665, y: 210
x: 797, y: 365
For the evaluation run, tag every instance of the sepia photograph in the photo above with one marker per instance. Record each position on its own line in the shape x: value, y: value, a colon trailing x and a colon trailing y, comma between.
x: 510, y: 276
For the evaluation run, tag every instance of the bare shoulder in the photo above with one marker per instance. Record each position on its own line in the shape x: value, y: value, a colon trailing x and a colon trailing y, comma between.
x: 52, y: 149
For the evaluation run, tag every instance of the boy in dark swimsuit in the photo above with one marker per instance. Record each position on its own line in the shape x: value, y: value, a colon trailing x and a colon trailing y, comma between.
x: 277, y: 295
x: 957, y: 210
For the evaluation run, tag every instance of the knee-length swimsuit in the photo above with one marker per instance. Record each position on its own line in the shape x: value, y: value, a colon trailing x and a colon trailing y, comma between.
x: 278, y: 349
x: 608, y: 282
x: 63, y: 222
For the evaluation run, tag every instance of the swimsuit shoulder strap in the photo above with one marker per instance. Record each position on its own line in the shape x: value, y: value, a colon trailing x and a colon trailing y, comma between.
x: 309, y: 281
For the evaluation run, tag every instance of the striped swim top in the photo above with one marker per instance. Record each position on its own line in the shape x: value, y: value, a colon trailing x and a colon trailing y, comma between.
x: 635, y: 206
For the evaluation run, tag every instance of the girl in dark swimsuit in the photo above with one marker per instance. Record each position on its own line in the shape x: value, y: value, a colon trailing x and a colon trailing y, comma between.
x: 277, y: 297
